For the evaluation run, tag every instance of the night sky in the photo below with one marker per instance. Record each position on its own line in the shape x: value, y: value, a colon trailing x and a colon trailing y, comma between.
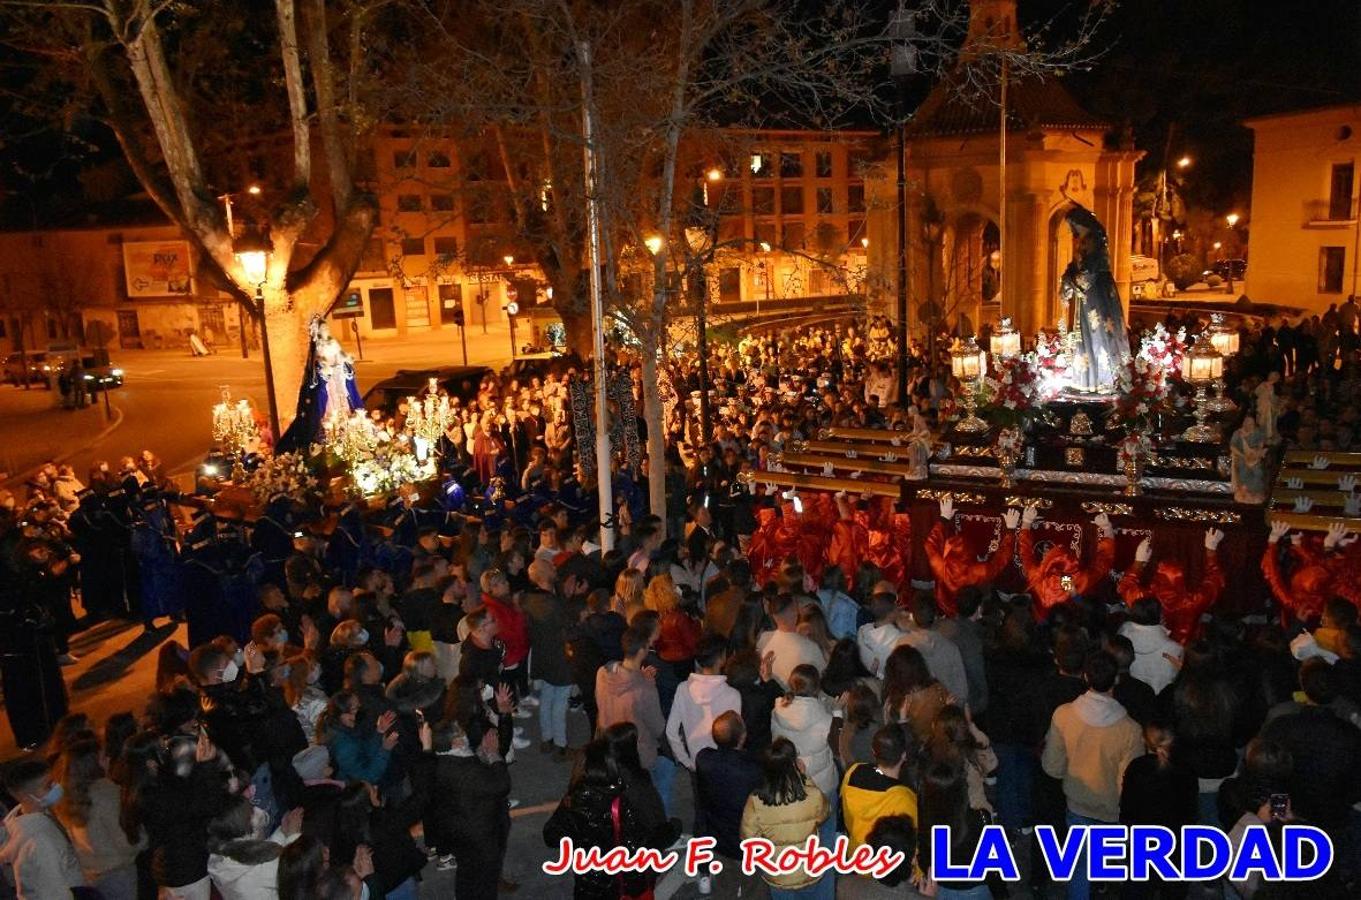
x: 1196, y: 67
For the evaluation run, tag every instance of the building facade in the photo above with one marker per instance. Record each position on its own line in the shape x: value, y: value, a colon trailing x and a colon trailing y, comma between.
x: 1304, y: 241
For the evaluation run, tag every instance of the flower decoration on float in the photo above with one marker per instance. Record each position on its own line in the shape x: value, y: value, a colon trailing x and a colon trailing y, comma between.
x: 1010, y: 395
x: 1052, y: 360
x: 1144, y: 386
x: 290, y: 474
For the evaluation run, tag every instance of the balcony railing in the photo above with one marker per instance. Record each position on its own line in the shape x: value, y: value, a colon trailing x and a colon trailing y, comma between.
x: 1326, y: 212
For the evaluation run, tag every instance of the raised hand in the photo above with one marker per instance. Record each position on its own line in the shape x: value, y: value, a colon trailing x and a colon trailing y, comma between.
x: 363, y: 861
x: 1319, y: 462
x: 1029, y: 516
x: 947, y: 508
x: 1294, y: 482
x: 1103, y: 524
x: 1278, y: 531
x: 505, y: 702
x: 1338, y: 536
x: 1212, y: 538
x: 1011, y: 518
x: 292, y: 821
x: 1144, y: 552
x: 427, y: 737
x: 1346, y: 483
x: 390, y: 740
x: 385, y: 721
x: 1303, y: 504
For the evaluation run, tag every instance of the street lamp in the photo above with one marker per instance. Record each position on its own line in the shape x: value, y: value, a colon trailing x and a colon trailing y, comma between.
x: 701, y: 245
x: 653, y: 242
x: 865, y: 242
x: 509, y: 260
x: 1232, y: 219
x: 252, y: 254
x: 1184, y: 162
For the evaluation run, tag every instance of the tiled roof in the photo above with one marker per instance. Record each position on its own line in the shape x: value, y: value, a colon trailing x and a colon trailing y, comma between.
x: 953, y: 108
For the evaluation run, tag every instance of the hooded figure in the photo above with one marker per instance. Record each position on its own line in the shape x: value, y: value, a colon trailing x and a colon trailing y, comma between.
x: 955, y: 565
x: 1182, y: 606
x: 1098, y: 318
x: 1313, y: 574
x: 1060, y: 575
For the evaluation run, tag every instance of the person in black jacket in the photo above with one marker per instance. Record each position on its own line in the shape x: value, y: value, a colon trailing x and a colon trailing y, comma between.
x: 547, y: 619
x: 727, y: 775
x: 467, y: 820
x: 1158, y: 789
x: 174, y: 805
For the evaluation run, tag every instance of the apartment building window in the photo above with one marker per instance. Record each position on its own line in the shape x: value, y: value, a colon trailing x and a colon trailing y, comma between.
x: 791, y: 201
x: 730, y: 285
x: 446, y: 246
x: 1332, y: 261
x: 442, y: 202
x: 437, y: 159
x: 763, y: 201
x: 823, y: 162
x: 761, y: 166
x: 408, y: 202
x: 825, y: 204
x: 1340, y: 192
x: 404, y: 159
x: 855, y: 198
x: 793, y: 236
x: 413, y: 246
x: 791, y: 165
x: 765, y: 234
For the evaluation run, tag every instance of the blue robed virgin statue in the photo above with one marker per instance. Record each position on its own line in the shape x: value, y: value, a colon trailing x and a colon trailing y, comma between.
x: 327, y: 386
x: 1088, y: 290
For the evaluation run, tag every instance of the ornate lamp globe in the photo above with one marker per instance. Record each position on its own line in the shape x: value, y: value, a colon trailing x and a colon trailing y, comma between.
x: 1202, y: 366
x: 968, y: 363
x: 1006, y: 341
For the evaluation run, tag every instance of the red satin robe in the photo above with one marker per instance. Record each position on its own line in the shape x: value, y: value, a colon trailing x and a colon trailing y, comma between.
x: 1044, y: 577
x: 1182, y: 607
x: 1307, y: 588
x: 955, y: 566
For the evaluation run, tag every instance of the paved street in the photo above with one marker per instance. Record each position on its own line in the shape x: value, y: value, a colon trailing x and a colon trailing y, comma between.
x: 168, y: 395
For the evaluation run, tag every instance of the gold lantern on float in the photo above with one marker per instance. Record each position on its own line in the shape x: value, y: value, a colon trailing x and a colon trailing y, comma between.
x: 968, y: 363
x: 1225, y: 340
x: 1202, y: 366
x: 1006, y: 341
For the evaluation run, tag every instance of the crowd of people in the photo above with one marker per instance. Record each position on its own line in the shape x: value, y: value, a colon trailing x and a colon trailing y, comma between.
x: 356, y: 691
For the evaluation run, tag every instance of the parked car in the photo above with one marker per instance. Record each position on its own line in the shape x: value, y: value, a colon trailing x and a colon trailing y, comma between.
x: 101, y: 376
x: 1146, y: 279
x: 1227, y: 268
x: 36, y: 363
x: 457, y: 381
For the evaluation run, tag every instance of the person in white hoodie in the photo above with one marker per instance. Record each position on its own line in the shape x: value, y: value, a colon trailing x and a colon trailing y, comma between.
x: 1157, y: 657
x: 803, y: 717
x: 41, y: 858
x: 700, y: 699
x: 244, y: 866
x: 1091, y: 741
x: 876, y: 640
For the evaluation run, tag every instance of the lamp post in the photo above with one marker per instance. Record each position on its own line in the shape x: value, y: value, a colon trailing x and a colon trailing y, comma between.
x: 968, y: 363
x: 1201, y: 366
x: 252, y: 254
x: 902, y: 66
x: 700, y: 247
x: 1232, y: 221
x: 512, y: 306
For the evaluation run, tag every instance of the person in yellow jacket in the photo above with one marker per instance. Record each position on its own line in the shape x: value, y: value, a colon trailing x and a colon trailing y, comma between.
x: 870, y: 792
x: 786, y: 810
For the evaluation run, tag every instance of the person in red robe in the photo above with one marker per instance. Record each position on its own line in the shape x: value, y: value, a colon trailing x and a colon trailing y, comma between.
x: 1060, y: 575
x: 1313, y: 577
x: 1182, y: 606
x: 955, y: 565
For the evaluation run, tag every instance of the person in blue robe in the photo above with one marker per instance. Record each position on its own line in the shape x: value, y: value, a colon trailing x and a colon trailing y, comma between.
x: 154, y: 544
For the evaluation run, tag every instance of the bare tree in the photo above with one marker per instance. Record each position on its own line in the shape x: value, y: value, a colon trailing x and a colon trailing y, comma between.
x: 139, y: 64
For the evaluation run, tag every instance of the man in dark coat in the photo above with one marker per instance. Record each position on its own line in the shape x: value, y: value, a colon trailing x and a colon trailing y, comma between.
x: 548, y: 620
x: 727, y: 775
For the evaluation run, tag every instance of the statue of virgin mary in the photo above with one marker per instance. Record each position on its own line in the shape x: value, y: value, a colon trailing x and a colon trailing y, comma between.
x: 328, y: 388
x: 1088, y: 289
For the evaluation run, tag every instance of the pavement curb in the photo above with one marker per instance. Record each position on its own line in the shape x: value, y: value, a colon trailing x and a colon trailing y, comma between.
x: 108, y: 430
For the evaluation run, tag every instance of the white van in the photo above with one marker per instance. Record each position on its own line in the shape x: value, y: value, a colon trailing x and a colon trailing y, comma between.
x: 1146, y: 280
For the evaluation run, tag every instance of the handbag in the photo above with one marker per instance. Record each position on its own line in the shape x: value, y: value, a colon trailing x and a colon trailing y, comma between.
x: 645, y: 893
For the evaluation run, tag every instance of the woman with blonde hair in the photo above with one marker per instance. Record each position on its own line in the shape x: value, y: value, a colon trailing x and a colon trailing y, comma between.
x: 680, y: 633
x: 303, y: 693
x: 628, y: 593
x: 89, y: 810
x: 955, y: 739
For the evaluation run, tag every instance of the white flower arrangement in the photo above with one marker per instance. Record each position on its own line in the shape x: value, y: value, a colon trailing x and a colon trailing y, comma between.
x: 284, y: 473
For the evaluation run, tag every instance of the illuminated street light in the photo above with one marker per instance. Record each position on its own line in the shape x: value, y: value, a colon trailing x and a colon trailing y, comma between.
x: 253, y: 190
x: 252, y: 254
x: 765, y: 247
x: 714, y: 174
x: 865, y: 242
x: 653, y: 242
x: 1184, y: 162
x: 1218, y: 244
x: 1232, y: 219
x: 510, y: 260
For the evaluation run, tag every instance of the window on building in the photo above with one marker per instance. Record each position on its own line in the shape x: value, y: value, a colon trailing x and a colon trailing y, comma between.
x: 765, y: 235
x: 442, y: 202
x: 729, y: 284
x: 855, y: 230
x: 761, y: 166
x: 450, y: 302
x: 408, y: 202
x: 437, y: 159
x: 855, y: 198
x: 825, y: 204
x: 791, y: 165
x: 1332, y: 262
x: 791, y: 201
x: 823, y: 161
x: 763, y: 201
x: 382, y: 309
x: 446, y: 246
x: 793, y: 236
x: 1340, y: 192
x: 404, y: 159
x: 413, y: 246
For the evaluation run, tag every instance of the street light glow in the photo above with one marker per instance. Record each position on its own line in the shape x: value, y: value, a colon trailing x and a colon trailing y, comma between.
x: 1232, y: 219
x: 653, y: 243
x: 714, y: 174
x: 865, y: 242
x: 1184, y: 162
x: 1218, y: 244
x: 255, y: 263
x: 510, y: 260
x: 253, y: 190
x: 765, y: 247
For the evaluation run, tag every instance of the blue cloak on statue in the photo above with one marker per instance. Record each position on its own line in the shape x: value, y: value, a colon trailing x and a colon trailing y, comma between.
x: 315, y: 396
x: 1097, y: 316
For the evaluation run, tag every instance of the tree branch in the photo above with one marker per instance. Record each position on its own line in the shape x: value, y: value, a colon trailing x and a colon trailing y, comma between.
x: 323, y: 85
x: 297, y: 95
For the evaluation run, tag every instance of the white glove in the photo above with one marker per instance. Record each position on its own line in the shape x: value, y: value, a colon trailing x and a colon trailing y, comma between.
x: 1029, y: 516
x: 1303, y: 504
x: 1338, y: 536
x: 1278, y: 530
x: 1352, y: 505
x: 1103, y: 524
x: 1011, y: 518
x: 1213, y: 537
x: 1144, y: 552
x: 1319, y: 462
x: 1346, y: 483
x: 1294, y: 483
x: 947, y: 509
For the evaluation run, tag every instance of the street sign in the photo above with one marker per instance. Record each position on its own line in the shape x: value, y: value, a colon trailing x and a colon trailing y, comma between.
x: 511, y: 293
x: 512, y: 308
x: 351, y: 306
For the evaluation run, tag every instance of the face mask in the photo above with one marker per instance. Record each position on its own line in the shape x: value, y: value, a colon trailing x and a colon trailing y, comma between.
x: 51, y: 798
x: 230, y: 671
x: 239, y: 657
x: 487, y: 693
x: 363, y: 636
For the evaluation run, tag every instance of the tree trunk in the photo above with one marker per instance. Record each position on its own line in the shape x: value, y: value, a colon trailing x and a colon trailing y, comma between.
x: 656, y: 436
x: 287, y: 350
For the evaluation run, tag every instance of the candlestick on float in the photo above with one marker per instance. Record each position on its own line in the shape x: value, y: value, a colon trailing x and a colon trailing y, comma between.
x: 968, y: 363
x: 1201, y: 366
x: 1225, y: 340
